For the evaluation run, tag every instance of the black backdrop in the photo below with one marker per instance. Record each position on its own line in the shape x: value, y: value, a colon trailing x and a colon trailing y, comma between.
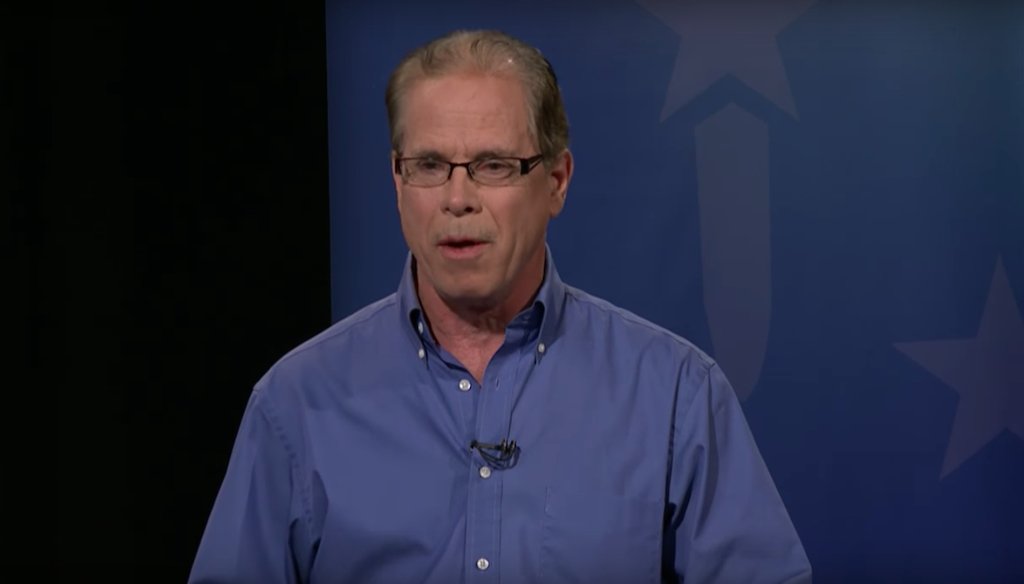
x: 169, y: 210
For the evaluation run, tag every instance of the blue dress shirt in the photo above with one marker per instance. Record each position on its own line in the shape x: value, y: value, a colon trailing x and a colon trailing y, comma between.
x: 353, y: 460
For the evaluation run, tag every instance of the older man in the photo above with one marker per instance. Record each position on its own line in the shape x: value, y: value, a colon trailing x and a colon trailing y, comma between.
x: 487, y: 422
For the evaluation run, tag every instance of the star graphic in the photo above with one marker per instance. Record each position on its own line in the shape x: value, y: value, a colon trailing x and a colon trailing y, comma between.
x: 725, y: 37
x: 987, y: 371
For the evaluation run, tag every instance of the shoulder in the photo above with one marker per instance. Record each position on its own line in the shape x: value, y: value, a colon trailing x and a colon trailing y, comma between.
x: 357, y: 339
x: 653, y: 356
x: 620, y: 326
x: 642, y: 358
x: 369, y: 320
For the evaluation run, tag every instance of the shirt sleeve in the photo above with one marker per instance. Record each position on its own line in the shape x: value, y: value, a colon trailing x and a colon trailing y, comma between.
x: 728, y: 522
x: 252, y: 528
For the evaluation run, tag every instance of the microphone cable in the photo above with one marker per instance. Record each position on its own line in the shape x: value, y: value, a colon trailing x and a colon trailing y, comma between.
x: 503, y: 455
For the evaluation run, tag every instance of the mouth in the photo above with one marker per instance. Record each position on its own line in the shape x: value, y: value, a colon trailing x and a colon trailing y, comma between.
x: 461, y: 248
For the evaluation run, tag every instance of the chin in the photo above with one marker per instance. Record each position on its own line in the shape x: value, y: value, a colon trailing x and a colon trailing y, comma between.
x: 468, y: 296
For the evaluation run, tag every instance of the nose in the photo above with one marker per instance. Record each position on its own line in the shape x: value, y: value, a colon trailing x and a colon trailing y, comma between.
x: 460, y: 194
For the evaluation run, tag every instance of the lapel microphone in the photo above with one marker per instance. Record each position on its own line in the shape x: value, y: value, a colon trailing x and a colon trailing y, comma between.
x: 502, y: 455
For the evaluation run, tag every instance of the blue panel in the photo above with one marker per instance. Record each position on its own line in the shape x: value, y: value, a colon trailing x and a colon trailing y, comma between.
x: 869, y: 279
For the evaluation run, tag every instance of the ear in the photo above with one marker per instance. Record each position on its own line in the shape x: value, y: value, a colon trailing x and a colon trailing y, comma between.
x: 397, y: 177
x: 559, y: 175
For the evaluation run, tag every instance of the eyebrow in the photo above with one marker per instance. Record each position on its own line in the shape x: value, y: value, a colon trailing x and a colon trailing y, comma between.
x: 493, y: 154
x: 424, y: 154
x: 434, y: 154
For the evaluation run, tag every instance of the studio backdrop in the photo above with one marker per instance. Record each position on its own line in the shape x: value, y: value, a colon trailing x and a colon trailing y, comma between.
x: 827, y: 196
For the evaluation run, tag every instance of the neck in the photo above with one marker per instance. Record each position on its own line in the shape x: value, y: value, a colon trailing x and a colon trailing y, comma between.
x: 474, y: 331
x: 452, y: 319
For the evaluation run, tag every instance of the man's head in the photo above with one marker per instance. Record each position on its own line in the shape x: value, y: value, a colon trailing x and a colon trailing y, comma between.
x: 485, y: 98
x: 486, y: 52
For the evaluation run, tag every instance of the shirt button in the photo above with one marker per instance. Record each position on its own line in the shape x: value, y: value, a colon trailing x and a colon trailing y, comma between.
x: 541, y: 348
x: 419, y: 327
x: 485, y: 472
x: 421, y: 353
x: 482, y: 564
x: 464, y: 385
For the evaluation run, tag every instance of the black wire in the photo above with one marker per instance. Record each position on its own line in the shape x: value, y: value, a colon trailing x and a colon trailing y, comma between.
x: 500, y: 456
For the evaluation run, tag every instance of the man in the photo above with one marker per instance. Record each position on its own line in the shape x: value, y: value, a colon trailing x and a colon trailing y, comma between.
x: 487, y: 422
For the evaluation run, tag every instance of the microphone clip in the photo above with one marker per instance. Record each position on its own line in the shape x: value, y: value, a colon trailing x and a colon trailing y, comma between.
x: 502, y: 455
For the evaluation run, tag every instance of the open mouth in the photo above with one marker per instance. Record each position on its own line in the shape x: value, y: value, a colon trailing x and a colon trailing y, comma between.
x: 461, y: 243
x: 461, y: 248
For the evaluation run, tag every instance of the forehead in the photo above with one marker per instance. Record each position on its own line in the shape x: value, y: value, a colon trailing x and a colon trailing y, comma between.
x: 462, y: 113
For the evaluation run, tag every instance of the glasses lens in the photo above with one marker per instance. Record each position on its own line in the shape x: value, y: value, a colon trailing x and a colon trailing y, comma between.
x: 495, y: 171
x: 425, y: 171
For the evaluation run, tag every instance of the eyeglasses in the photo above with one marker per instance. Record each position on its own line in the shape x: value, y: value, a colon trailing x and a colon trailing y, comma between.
x: 495, y: 171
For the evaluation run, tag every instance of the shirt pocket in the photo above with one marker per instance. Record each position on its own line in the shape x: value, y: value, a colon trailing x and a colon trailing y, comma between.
x: 599, y: 538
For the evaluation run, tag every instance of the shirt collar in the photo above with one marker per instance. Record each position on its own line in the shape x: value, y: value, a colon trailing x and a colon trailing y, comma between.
x: 548, y: 305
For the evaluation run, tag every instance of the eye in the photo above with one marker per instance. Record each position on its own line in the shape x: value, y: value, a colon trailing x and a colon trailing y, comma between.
x: 429, y: 165
x: 495, y: 167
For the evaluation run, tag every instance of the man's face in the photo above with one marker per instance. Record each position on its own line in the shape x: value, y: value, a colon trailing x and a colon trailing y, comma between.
x: 476, y: 245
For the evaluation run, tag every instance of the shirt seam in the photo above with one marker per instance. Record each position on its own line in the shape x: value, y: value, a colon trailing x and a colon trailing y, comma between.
x: 607, y: 308
x: 265, y: 408
x: 679, y: 411
x: 343, y: 327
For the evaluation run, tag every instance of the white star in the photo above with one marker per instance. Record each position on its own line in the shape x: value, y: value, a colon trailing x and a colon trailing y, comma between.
x: 727, y: 37
x: 987, y: 371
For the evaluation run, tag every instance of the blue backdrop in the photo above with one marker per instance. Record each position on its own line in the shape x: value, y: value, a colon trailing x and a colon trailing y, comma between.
x: 826, y: 196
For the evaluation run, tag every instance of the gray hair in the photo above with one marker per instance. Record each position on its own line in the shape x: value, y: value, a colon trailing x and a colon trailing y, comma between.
x: 489, y: 52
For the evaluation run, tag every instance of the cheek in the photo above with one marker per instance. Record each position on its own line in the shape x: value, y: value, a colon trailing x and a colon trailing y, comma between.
x: 526, y: 219
x: 412, y: 219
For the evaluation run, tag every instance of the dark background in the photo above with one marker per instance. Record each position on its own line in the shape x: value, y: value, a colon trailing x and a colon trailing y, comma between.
x: 170, y: 223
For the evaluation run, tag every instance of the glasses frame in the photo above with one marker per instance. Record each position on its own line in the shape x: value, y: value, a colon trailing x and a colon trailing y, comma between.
x: 526, y: 165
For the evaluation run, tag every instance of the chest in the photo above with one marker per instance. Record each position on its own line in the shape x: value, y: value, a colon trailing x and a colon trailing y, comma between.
x: 398, y: 493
